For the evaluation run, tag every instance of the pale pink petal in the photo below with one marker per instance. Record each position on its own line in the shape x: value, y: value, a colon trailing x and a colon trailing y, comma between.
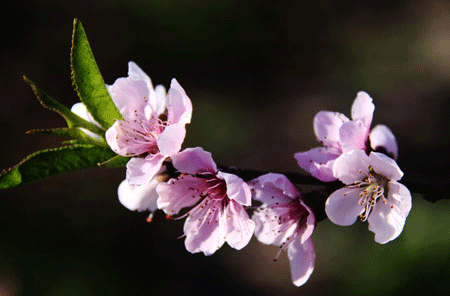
x: 281, y: 184
x: 131, y: 94
x: 111, y: 136
x: 302, y: 258
x: 193, y: 161
x: 385, y: 166
x: 239, y: 226
x: 351, y: 167
x: 400, y: 196
x: 382, y: 139
x: 318, y: 162
x: 268, y: 230
x: 237, y: 189
x: 308, y: 228
x: 171, y: 139
x: 362, y: 109
x: 342, y: 206
x: 268, y: 193
x: 387, y: 220
x: 142, y: 170
x: 179, y: 105
x: 161, y: 99
x: 138, y: 198
x: 80, y: 110
x: 353, y: 136
x: 205, y: 229
x: 122, y: 143
x: 179, y: 193
x: 326, y: 127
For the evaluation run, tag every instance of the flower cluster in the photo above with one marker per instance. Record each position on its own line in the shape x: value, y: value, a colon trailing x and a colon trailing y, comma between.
x: 217, y: 205
x: 361, y: 159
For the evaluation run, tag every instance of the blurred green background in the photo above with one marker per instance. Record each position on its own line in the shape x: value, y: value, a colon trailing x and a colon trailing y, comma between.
x: 257, y: 72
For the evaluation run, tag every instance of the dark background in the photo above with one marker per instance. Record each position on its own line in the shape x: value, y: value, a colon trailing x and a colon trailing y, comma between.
x: 256, y: 72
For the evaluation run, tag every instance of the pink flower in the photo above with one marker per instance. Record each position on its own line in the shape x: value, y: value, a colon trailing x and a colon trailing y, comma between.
x: 153, y: 124
x: 371, y: 193
x: 339, y: 135
x: 216, y: 199
x: 284, y: 220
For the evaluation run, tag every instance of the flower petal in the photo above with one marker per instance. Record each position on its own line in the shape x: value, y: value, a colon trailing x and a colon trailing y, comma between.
x: 124, y: 144
x: 131, y: 94
x: 179, y: 105
x: 385, y: 166
x: 80, y: 110
x: 302, y: 258
x: 353, y: 136
x: 141, y: 170
x: 171, y: 139
x: 387, y: 220
x: 342, y: 207
x: 351, y: 167
x: 161, y: 99
x: 318, y: 162
x: 326, y: 127
x: 269, y: 187
x: 362, y: 109
x: 309, y: 226
x: 239, y: 226
x: 193, y: 161
x: 237, y: 189
x: 205, y: 228
x: 382, y: 139
x: 400, y: 197
x: 179, y: 193
x: 138, y: 198
x: 268, y: 230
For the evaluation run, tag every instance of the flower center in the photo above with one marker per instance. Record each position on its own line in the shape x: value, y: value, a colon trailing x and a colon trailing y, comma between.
x: 286, y: 215
x: 212, y: 199
x: 142, y: 134
x: 373, y: 188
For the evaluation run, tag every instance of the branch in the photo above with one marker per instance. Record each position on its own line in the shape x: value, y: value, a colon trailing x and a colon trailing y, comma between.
x: 430, y: 192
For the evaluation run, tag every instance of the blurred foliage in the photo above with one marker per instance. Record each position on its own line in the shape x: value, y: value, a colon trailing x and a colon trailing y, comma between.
x: 257, y: 72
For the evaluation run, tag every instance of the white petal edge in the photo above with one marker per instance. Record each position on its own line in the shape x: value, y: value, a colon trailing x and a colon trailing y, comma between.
x: 80, y: 110
x: 138, y: 198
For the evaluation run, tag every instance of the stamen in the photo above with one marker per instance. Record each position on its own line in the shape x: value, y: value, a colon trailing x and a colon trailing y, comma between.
x: 373, y: 189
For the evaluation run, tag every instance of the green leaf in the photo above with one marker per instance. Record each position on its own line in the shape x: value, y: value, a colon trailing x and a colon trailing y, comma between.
x: 55, y: 161
x: 117, y: 161
x: 88, y: 80
x: 71, y: 118
x: 73, y: 133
